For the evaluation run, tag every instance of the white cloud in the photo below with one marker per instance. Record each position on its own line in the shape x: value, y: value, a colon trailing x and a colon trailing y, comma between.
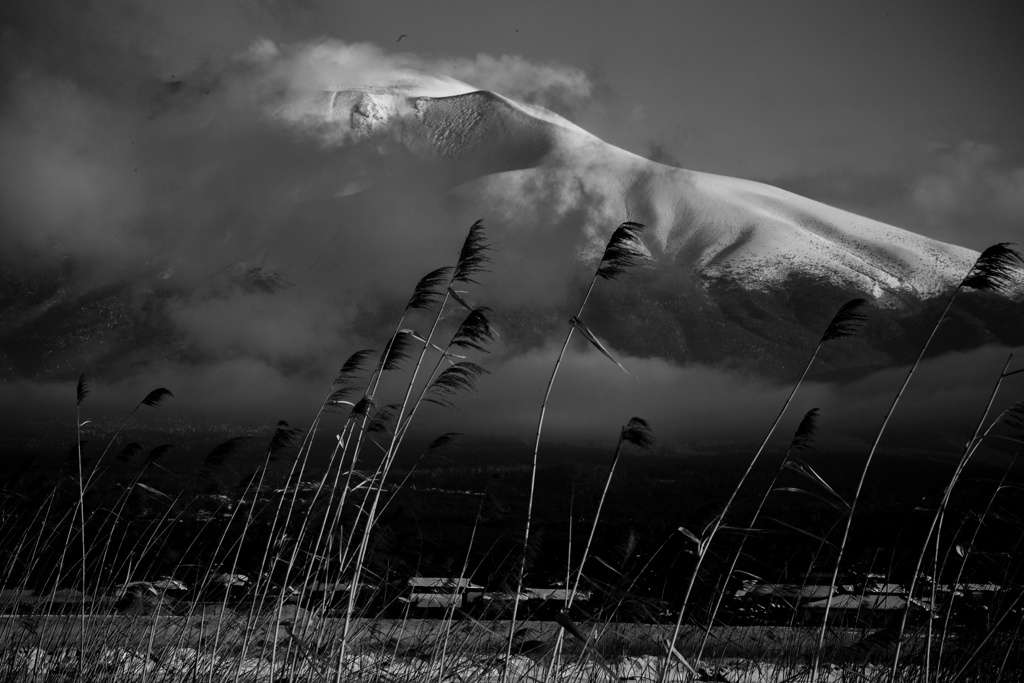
x: 328, y: 64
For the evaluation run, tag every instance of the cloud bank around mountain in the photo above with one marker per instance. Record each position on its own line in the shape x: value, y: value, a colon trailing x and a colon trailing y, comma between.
x: 116, y: 175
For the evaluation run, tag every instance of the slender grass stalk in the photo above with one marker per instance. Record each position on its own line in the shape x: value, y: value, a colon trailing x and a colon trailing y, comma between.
x: 963, y: 562
x: 845, y: 323
x: 450, y: 610
x: 624, y: 250
x: 638, y: 433
x: 153, y: 399
x: 993, y: 270
x: 354, y: 364
x: 339, y: 389
x: 295, y: 475
x: 473, y: 259
x: 935, y: 530
x: 284, y: 436
x: 473, y: 333
x: 117, y: 511
x: 82, y: 392
x: 1006, y: 655
x: 351, y: 366
x: 1012, y: 609
x: 802, y: 440
x: 294, y: 480
x: 358, y: 421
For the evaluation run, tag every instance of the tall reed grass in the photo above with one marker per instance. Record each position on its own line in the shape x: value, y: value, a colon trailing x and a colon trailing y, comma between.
x: 287, y: 567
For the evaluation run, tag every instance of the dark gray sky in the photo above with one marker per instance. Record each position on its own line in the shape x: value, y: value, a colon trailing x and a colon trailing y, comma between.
x: 905, y: 112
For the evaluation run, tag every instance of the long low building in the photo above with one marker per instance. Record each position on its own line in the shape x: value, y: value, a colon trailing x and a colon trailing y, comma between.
x: 856, y: 610
x: 442, y: 593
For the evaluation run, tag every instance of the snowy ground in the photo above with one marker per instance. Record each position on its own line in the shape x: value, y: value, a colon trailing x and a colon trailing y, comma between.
x: 398, y: 651
x: 187, y: 664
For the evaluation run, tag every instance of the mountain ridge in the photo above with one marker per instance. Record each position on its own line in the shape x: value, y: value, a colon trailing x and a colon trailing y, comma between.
x: 745, y: 273
x: 716, y: 224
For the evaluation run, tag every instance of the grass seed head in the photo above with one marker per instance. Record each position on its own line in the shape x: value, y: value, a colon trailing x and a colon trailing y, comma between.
x: 219, y: 456
x: 995, y: 268
x: 398, y: 350
x: 803, y: 438
x: 156, y: 397
x: 159, y: 452
x: 473, y: 257
x: 475, y: 331
x: 461, y: 377
x: 625, y: 250
x: 429, y: 289
x: 1013, y: 416
x: 129, y: 452
x: 284, y: 436
x: 82, y: 390
x: 847, y: 322
x: 352, y: 366
x: 638, y: 433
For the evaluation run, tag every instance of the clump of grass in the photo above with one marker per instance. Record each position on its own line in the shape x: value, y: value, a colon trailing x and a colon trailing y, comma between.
x: 625, y: 249
x: 271, y: 633
x: 992, y: 271
x: 637, y: 433
x: 846, y: 322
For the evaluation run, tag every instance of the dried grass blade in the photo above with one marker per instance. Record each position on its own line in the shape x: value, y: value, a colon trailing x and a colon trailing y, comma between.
x: 798, y: 530
x: 152, y: 490
x: 457, y: 295
x: 802, y: 468
x: 831, y: 502
x: 578, y: 324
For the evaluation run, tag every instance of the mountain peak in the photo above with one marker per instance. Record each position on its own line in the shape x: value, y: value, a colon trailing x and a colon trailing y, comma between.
x: 712, y: 227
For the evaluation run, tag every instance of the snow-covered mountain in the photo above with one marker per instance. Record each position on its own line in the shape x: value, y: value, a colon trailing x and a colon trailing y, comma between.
x: 744, y: 273
x: 714, y: 227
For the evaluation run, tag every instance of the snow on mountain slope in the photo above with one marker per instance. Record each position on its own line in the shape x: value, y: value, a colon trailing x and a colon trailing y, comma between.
x: 713, y: 227
x: 311, y: 252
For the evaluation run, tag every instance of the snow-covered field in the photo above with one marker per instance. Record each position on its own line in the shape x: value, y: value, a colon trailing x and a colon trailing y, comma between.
x: 189, y: 664
x: 131, y: 649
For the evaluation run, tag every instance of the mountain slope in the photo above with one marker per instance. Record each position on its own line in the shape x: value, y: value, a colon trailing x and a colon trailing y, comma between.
x: 715, y: 226
x: 744, y: 273
x: 743, y: 269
